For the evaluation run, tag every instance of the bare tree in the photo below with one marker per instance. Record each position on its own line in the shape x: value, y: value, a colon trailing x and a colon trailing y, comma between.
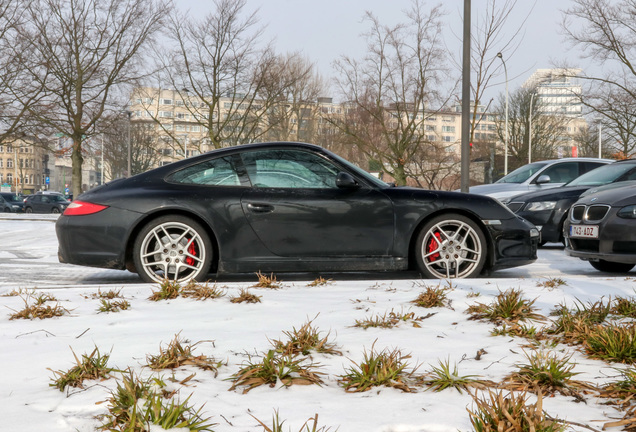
x: 489, y: 41
x: 144, y: 147
x: 388, y: 90
x: 85, y: 53
x: 548, y: 130
x: 221, y: 67
x: 604, y: 31
x: 299, y: 87
x: 17, y: 92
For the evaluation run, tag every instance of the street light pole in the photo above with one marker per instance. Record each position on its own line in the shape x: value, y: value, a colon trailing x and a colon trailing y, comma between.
x: 102, y: 161
x: 530, y: 130
x: 600, y: 128
x: 129, y: 163
x: 506, y: 124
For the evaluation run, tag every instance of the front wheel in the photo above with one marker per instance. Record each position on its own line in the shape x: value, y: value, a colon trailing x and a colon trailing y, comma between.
x: 55, y: 210
x: 28, y: 210
x: 172, y: 247
x: 611, y: 267
x: 451, y: 246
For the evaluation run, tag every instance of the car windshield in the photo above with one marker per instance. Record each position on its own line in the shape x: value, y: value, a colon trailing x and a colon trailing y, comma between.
x: 604, y: 175
x: 522, y: 174
x: 368, y: 176
x: 13, y: 198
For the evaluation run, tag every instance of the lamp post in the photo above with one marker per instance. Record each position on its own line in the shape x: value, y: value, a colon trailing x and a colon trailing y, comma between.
x: 600, y: 128
x: 129, y: 163
x: 102, y: 161
x: 506, y: 114
x: 530, y: 130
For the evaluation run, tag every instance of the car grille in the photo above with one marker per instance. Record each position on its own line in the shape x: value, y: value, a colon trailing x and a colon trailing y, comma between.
x: 515, y: 206
x: 584, y: 245
x: 596, y: 213
x: 593, y: 213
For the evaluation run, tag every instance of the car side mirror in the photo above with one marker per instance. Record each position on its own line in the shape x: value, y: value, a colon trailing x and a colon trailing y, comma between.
x: 543, y: 179
x: 346, y: 181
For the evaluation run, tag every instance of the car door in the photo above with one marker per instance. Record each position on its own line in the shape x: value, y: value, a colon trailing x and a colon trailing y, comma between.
x: 297, y: 210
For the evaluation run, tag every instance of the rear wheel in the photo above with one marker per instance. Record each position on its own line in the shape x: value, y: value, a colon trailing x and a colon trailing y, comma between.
x: 451, y: 246
x: 611, y: 267
x: 172, y: 247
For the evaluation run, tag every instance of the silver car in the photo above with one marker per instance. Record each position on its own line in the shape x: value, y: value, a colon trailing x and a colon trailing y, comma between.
x: 539, y: 176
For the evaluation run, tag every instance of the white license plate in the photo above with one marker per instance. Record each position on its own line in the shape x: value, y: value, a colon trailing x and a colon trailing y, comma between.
x: 585, y: 231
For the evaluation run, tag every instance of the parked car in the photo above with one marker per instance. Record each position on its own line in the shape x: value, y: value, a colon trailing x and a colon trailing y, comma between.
x: 47, y: 202
x: 13, y: 202
x: 538, y: 176
x: 601, y: 229
x: 275, y: 207
x: 548, y: 209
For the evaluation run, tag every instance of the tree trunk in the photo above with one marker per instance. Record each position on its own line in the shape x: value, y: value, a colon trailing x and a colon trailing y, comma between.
x: 78, y: 161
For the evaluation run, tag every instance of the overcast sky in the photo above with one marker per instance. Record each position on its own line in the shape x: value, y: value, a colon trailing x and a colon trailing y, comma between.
x: 326, y: 29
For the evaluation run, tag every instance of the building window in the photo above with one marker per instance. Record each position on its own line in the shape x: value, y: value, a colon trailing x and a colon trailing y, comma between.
x: 9, y: 163
x: 166, y: 101
x: 166, y: 114
x: 448, y: 129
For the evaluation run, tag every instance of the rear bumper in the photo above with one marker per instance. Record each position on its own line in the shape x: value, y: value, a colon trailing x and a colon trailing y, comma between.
x: 97, y: 240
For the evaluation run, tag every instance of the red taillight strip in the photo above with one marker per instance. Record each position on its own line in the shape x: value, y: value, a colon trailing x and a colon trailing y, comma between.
x: 82, y: 208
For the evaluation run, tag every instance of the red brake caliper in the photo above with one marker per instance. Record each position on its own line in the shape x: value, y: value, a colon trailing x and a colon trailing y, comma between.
x: 433, y: 244
x: 192, y: 250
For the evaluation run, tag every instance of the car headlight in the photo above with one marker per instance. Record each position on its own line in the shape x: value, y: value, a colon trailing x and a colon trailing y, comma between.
x: 540, y: 205
x: 628, y: 212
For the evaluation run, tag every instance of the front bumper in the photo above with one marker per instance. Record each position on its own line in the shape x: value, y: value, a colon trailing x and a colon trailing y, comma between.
x: 616, y: 241
x: 515, y: 243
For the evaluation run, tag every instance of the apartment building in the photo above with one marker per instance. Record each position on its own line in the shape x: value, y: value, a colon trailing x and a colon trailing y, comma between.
x: 24, y: 168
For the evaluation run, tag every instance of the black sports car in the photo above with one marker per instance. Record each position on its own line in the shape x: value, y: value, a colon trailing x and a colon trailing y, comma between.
x: 601, y: 228
x: 285, y: 207
x: 548, y: 209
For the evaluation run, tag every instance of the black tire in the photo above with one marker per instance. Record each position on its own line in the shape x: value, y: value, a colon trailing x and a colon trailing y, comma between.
x: 28, y: 210
x: 55, y: 210
x: 611, y: 267
x: 451, y: 246
x: 173, y: 247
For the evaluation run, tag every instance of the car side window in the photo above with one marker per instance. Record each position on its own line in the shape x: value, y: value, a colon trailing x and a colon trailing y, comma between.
x: 213, y: 172
x: 293, y: 169
x: 562, y: 172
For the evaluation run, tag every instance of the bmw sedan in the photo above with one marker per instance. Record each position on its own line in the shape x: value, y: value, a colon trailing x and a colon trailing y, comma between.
x: 276, y: 207
x: 601, y: 228
x: 548, y: 209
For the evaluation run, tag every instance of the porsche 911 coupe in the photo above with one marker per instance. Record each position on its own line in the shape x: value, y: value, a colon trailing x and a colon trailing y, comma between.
x: 276, y: 207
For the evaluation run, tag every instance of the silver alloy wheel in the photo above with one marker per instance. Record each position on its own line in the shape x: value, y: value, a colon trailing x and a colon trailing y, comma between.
x: 174, y: 251
x: 452, y: 249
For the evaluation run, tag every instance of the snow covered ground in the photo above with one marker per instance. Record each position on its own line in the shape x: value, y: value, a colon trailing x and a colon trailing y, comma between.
x: 230, y: 332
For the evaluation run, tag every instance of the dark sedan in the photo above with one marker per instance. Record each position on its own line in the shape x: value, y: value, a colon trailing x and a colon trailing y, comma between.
x: 12, y: 202
x: 548, y: 209
x: 45, y: 203
x: 275, y: 207
x: 601, y: 228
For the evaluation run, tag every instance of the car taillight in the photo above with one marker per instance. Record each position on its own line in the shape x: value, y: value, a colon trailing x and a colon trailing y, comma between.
x: 82, y: 208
